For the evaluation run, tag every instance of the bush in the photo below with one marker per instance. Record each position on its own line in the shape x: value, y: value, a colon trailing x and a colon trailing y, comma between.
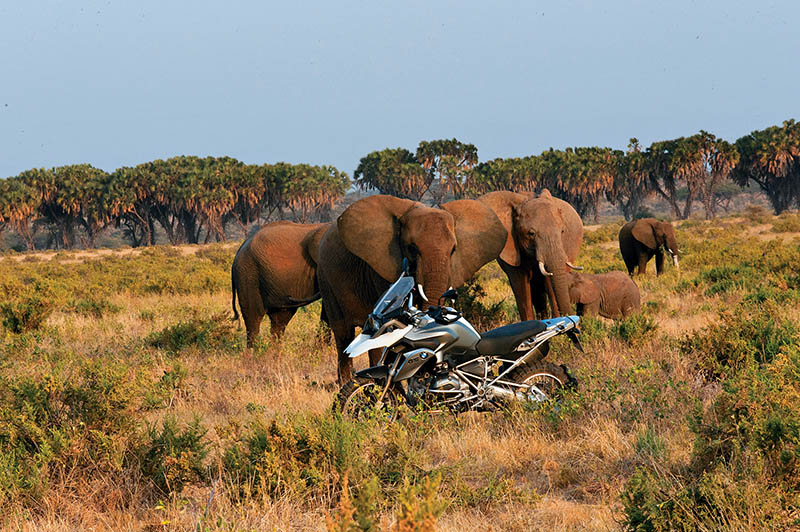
x: 173, y: 458
x: 483, y: 316
x: 745, y: 464
x: 604, y: 233
x: 634, y: 329
x: 305, y: 455
x: 96, y: 308
x: 787, y: 223
x: 757, y: 214
x: 217, y: 332
x: 57, y: 424
x: 25, y: 308
x: 746, y: 333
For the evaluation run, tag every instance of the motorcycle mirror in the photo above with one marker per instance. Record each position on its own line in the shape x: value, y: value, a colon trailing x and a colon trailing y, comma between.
x: 449, y: 294
x: 405, y: 266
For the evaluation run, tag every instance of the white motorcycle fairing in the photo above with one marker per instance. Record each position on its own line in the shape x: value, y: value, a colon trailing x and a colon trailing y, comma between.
x: 364, y: 342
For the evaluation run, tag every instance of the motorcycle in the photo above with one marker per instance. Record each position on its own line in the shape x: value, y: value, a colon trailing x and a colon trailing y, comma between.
x: 435, y: 359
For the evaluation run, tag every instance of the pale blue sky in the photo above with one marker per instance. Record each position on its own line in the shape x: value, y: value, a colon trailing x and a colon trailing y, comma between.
x: 117, y: 83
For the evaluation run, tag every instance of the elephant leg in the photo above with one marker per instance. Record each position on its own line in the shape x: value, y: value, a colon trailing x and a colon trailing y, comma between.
x: 252, y: 322
x: 592, y: 309
x: 643, y: 258
x: 279, y: 319
x: 374, y: 356
x: 659, y: 262
x: 630, y: 263
x: 324, y: 328
x: 344, y: 334
x: 521, y: 286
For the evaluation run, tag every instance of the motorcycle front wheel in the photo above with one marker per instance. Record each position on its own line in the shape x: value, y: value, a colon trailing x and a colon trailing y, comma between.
x: 545, y: 381
x: 358, y: 399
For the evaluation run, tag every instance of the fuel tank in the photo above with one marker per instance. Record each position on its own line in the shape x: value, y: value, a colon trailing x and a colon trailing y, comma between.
x: 459, y: 335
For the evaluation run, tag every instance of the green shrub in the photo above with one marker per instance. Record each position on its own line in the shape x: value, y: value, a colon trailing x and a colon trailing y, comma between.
x: 745, y: 465
x: 304, y: 455
x: 59, y: 424
x: 217, y: 332
x: 787, y: 223
x: 163, y: 391
x: 24, y: 308
x: 484, y: 316
x: 96, y: 308
x: 171, y: 458
x: 604, y: 233
x: 746, y: 333
x: 634, y: 329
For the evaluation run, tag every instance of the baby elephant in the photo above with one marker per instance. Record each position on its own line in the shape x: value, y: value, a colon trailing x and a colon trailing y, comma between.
x: 612, y: 294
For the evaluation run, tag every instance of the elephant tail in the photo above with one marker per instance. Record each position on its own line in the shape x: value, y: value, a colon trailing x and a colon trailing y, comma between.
x: 233, y: 297
x: 302, y: 302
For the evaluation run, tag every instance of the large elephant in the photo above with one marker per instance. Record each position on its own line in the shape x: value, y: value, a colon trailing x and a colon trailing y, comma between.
x: 274, y: 273
x: 363, y: 252
x: 640, y: 239
x: 544, y: 235
x: 611, y: 295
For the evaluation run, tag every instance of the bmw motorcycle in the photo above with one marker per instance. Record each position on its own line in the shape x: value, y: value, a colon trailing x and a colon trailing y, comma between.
x: 436, y: 360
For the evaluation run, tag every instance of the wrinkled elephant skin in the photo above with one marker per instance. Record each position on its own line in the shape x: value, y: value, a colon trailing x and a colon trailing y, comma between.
x: 274, y: 273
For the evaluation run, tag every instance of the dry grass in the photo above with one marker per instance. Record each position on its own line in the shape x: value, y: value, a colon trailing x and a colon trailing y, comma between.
x: 565, y: 473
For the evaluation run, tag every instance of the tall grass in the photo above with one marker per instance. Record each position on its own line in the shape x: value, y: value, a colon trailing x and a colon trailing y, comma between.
x: 127, y: 401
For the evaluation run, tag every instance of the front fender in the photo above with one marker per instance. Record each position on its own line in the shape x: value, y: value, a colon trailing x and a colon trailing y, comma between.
x: 363, y: 343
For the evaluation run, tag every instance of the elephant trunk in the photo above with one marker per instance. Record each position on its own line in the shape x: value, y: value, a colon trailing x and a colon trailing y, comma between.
x: 555, y: 261
x: 434, y: 276
x: 560, y: 283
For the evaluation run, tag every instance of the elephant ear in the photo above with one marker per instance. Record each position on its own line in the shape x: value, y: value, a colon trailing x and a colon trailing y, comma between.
x: 503, y: 203
x: 480, y: 237
x: 369, y: 229
x: 583, y: 291
x: 643, y: 232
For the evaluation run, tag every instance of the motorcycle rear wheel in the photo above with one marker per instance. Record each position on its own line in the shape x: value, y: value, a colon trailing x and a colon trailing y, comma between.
x: 545, y: 381
x: 358, y: 399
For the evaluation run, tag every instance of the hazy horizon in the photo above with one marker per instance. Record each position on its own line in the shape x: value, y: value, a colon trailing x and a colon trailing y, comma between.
x: 115, y: 85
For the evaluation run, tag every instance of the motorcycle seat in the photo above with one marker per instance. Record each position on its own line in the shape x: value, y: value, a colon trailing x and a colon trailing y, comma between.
x: 505, y: 339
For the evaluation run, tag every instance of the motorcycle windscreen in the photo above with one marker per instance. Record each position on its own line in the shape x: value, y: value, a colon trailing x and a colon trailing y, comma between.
x: 394, y: 297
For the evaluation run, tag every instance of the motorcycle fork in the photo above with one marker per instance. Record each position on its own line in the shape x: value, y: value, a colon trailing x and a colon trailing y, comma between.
x: 389, y: 378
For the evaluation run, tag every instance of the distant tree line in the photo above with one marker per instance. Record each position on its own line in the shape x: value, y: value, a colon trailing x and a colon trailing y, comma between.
x: 193, y: 199
x: 682, y: 172
x: 190, y: 198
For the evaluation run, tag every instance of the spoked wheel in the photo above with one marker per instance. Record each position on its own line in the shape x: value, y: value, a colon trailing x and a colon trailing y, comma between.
x: 358, y: 399
x: 544, y: 381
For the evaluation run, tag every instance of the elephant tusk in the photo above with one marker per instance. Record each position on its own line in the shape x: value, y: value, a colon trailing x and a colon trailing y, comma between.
x: 421, y: 292
x: 671, y: 252
x: 544, y: 272
x: 573, y: 266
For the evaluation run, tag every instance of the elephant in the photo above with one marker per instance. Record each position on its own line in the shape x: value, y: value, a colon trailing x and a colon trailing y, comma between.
x: 544, y: 235
x: 274, y: 273
x: 363, y: 252
x: 640, y: 239
x: 611, y: 295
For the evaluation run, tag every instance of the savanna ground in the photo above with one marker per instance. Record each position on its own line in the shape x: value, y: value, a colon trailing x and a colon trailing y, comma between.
x: 127, y: 402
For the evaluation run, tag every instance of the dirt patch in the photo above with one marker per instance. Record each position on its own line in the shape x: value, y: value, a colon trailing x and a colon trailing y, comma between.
x: 76, y: 257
